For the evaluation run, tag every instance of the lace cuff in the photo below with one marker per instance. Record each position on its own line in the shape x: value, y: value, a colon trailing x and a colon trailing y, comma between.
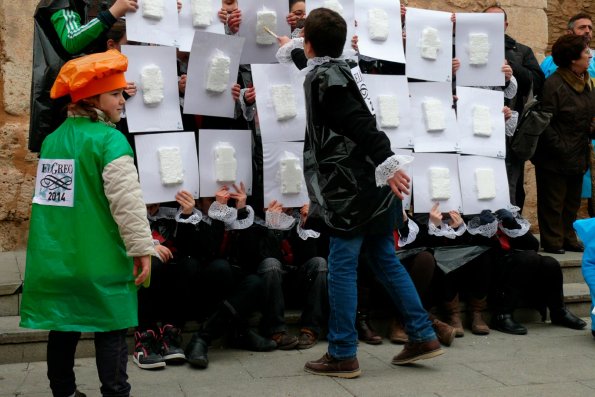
x: 387, y: 169
x: 488, y: 230
x: 194, y: 218
x: 413, y: 231
x: 524, y: 224
x: 222, y: 212
x: 284, y: 52
x: 446, y: 231
x: 241, y: 224
x: 279, y: 220
x: 511, y: 89
x: 248, y: 111
x: 305, y: 234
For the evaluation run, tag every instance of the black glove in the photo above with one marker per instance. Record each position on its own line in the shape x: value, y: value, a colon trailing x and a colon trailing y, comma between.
x: 507, y: 219
x: 486, y: 217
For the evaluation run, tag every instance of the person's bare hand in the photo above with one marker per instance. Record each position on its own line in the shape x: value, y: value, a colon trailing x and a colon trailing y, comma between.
x: 235, y: 92
x: 304, y: 212
x: 456, y: 219
x: 142, y: 268
x: 507, y: 70
x: 186, y: 201
x: 275, y: 206
x: 291, y: 19
x: 399, y: 184
x: 239, y: 195
x: 250, y: 96
x: 222, y: 195
x: 222, y: 15
x: 282, y: 40
x: 121, y: 7
x: 354, y: 41
x: 234, y: 20
x: 456, y: 64
x: 507, y: 113
x: 436, y: 215
x: 179, y: 6
x: 182, y: 83
x: 164, y: 253
x: 130, y: 88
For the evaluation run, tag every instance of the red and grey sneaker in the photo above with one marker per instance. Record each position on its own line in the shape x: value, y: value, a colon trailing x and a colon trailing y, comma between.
x: 146, y: 350
x: 171, y: 342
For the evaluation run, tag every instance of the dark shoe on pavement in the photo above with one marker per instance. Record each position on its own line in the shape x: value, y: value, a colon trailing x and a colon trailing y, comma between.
x: 330, y: 366
x: 307, y: 339
x: 251, y: 340
x: 558, y: 251
x: 285, y: 341
x: 196, y: 352
x: 414, y: 351
x: 397, y: 332
x: 445, y: 333
x: 574, y: 247
x: 146, y: 350
x: 171, y: 344
x: 566, y: 319
x: 365, y: 332
x: 505, y: 323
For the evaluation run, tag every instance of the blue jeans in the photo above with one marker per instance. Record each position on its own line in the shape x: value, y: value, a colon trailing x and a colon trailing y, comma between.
x: 342, y: 291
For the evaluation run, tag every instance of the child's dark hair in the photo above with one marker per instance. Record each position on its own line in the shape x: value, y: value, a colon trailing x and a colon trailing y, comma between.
x: 117, y: 31
x: 326, y: 31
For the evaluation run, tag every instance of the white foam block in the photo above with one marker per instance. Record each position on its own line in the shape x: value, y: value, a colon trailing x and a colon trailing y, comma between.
x: 378, y: 24
x: 218, y: 73
x: 482, y: 121
x: 388, y: 107
x: 152, y: 85
x: 486, y: 184
x: 334, y: 5
x: 170, y: 165
x: 202, y: 13
x: 479, y: 48
x: 433, y: 114
x: 439, y: 183
x: 226, y: 165
x: 153, y: 9
x: 268, y: 19
x: 430, y: 43
x: 291, y: 175
x: 284, y: 101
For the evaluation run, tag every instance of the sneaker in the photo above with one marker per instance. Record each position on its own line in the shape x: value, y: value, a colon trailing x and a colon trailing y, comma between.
x: 414, y: 351
x: 196, y: 352
x: 146, y: 350
x: 171, y: 344
x: 285, y: 341
x: 327, y: 365
x: 307, y: 339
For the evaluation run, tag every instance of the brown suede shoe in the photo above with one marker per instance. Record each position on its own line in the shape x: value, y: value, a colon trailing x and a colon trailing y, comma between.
x: 365, y: 332
x: 307, y: 339
x: 397, y: 332
x: 330, y: 366
x: 445, y: 333
x: 285, y: 341
x: 414, y: 351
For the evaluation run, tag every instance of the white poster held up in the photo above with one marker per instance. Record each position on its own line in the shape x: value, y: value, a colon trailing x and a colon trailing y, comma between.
x: 435, y: 178
x: 203, y: 17
x: 279, y: 157
x: 154, y: 23
x: 379, y: 34
x: 484, y: 184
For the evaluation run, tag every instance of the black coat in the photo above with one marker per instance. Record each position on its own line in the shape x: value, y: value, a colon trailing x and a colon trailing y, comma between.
x: 525, y: 69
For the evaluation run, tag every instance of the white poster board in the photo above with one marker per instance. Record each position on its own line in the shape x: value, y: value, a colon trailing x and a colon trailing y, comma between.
x: 347, y: 12
x: 407, y: 169
x: 147, y: 154
x: 162, y: 31
x: 197, y: 99
x: 208, y: 140
x: 370, y: 20
x: 186, y: 27
x: 422, y: 184
x: 273, y: 153
x: 443, y: 140
x: 487, y: 139
x: 426, y: 30
x: 164, y: 116
x: 268, y: 78
x: 475, y: 28
x: 384, y: 85
x: 262, y: 53
x: 358, y: 76
x: 468, y: 166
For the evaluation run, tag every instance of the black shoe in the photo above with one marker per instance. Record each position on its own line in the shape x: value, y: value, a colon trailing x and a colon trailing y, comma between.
x: 196, y: 352
x: 146, y: 350
x: 250, y: 340
x: 558, y: 251
x: 171, y: 344
x: 79, y: 394
x: 577, y: 247
x: 505, y: 323
x: 567, y: 319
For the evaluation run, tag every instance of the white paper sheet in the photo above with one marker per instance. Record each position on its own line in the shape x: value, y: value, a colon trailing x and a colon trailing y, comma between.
x: 241, y: 142
x: 392, y: 48
x: 420, y: 169
x: 166, y: 115
x: 407, y: 169
x: 402, y: 136
x: 162, y: 31
x: 257, y: 53
x: 467, y: 167
x: 348, y: 15
x: 435, y: 141
x: 469, y: 143
x: 148, y: 165
x: 273, y: 130
x: 489, y: 74
x: 418, y: 67
x: 197, y: 99
x: 186, y: 29
x: 272, y: 153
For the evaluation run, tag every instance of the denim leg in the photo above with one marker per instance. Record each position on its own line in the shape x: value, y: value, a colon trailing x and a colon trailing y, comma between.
x: 60, y: 357
x: 273, y: 312
x: 397, y: 282
x: 313, y: 275
x: 342, y: 293
x: 111, y: 356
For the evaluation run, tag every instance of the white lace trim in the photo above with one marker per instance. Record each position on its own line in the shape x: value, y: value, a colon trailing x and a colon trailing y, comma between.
x: 284, y: 52
x: 511, y: 90
x: 524, y: 224
x: 305, y: 234
x: 511, y: 123
x: 488, y: 230
x: 222, y: 212
x: 242, y: 224
x: 279, y: 220
x: 156, y: 242
x: 387, y: 169
x: 194, y: 218
x: 413, y: 231
x: 207, y: 220
x: 248, y: 111
x: 163, y: 213
x: 445, y: 230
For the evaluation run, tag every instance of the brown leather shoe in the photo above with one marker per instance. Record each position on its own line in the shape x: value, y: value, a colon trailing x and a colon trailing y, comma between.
x: 365, y: 332
x: 330, y: 366
x: 307, y: 339
x: 453, y: 311
x: 478, y: 325
x: 445, y: 333
x: 414, y: 351
x: 285, y: 341
x: 397, y: 332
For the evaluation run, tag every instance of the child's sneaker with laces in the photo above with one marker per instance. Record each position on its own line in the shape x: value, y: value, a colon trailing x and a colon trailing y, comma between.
x: 146, y: 350
x: 171, y: 344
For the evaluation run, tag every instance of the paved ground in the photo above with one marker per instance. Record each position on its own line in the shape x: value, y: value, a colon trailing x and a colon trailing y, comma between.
x: 549, y: 361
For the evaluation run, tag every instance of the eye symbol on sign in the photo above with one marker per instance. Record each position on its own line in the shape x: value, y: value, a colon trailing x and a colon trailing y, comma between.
x: 52, y: 183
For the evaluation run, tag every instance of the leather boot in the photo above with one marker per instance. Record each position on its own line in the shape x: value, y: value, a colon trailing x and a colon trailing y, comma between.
x: 365, y: 332
x: 478, y: 325
x: 504, y: 322
x: 445, y: 333
x: 453, y: 310
x: 566, y: 319
x: 397, y: 332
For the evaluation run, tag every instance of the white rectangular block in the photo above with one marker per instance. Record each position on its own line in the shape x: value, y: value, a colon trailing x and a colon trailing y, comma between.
x: 378, y: 24
x: 268, y: 19
x: 284, y: 101
x: 226, y: 165
x: 202, y: 13
x: 482, y: 121
x: 433, y: 112
x: 152, y: 85
x: 486, y: 184
x: 170, y: 165
x: 153, y: 9
x: 430, y: 43
x: 439, y: 183
x: 218, y: 73
x: 479, y: 49
x: 291, y: 175
x: 388, y: 107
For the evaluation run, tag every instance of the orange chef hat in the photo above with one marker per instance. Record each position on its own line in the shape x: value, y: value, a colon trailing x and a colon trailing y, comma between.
x: 91, y: 75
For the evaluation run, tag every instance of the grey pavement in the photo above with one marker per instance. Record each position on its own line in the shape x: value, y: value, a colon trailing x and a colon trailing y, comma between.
x: 549, y: 361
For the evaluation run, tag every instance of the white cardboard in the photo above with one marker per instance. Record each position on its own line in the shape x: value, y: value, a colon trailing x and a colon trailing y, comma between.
x: 491, y: 24
x: 273, y: 130
x: 148, y: 165
x: 348, y: 16
x: 166, y: 115
x: 145, y: 30
x: 467, y: 167
x: 186, y: 28
x: 407, y: 169
x: 417, y: 67
x: 241, y: 142
x: 272, y: 153
x: 495, y: 144
x: 392, y: 48
x: 420, y: 167
x: 197, y: 99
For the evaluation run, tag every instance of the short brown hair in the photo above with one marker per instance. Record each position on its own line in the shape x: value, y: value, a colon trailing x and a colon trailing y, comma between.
x: 326, y: 31
x: 580, y: 15
x: 497, y: 6
x: 567, y: 49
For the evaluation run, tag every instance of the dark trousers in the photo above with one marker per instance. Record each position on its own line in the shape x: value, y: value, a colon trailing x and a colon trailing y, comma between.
x: 426, y: 277
x: 111, y: 357
x: 472, y: 279
x: 558, y: 201
x: 515, y: 170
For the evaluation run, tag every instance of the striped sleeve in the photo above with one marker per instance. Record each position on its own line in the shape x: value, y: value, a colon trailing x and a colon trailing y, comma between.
x: 74, y: 37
